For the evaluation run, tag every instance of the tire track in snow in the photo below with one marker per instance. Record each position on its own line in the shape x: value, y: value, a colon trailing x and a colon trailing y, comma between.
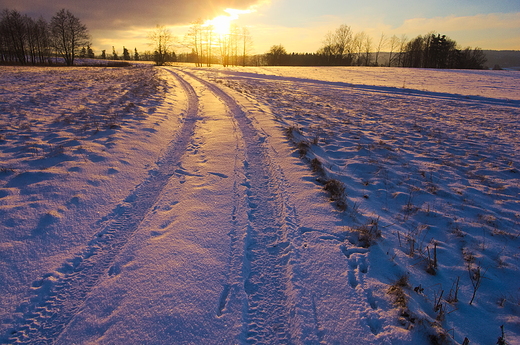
x: 58, y: 296
x: 277, y: 310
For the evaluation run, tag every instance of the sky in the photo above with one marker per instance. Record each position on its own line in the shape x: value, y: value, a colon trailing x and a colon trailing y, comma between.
x: 300, y: 26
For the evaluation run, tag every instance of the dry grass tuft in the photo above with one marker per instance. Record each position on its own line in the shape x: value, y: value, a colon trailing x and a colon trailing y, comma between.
x: 317, y: 167
x: 336, y: 190
x: 368, y: 233
x: 303, y: 148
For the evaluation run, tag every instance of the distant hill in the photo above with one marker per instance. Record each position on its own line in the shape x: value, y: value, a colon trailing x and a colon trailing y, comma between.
x: 503, y: 58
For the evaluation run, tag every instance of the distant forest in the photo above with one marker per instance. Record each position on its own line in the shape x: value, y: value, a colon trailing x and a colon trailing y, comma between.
x: 345, y: 48
x: 24, y: 41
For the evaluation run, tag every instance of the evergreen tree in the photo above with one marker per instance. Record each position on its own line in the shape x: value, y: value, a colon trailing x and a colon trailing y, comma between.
x: 90, y: 52
x: 436, y: 51
x: 114, y: 54
x: 126, y: 54
x: 136, y: 55
x: 104, y: 54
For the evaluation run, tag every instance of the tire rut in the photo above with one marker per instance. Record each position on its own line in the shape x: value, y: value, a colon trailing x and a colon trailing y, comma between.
x: 57, y: 297
x: 276, y: 310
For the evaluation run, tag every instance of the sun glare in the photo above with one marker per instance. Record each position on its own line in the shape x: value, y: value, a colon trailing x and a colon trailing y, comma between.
x: 221, y: 24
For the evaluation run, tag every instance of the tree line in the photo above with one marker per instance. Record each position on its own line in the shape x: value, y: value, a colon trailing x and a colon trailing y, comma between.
x: 26, y: 41
x: 343, y: 47
x: 205, y: 46
x: 208, y: 47
x: 160, y: 56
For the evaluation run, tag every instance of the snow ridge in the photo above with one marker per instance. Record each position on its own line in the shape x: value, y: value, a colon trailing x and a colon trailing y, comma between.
x: 60, y: 295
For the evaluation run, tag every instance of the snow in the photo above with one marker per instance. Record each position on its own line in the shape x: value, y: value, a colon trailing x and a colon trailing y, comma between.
x: 178, y: 205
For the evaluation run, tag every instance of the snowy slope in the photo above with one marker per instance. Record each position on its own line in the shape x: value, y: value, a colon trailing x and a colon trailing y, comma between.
x: 74, y: 142
x: 427, y: 170
x: 179, y: 205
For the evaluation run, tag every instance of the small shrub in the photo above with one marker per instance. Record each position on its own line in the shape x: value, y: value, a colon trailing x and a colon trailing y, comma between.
x: 400, y: 298
x: 431, y: 264
x: 290, y: 131
x: 303, y: 147
x: 368, y: 233
x: 453, y: 296
x: 439, y: 337
x: 336, y: 190
x: 317, y: 166
x: 475, y: 275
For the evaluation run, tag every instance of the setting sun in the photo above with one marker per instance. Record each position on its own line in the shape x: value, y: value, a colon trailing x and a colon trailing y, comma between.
x: 221, y: 24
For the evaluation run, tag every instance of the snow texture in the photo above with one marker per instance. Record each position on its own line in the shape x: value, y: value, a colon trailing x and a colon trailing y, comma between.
x: 259, y: 205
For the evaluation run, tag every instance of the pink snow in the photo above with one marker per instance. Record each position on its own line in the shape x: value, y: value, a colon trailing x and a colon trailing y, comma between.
x: 179, y: 205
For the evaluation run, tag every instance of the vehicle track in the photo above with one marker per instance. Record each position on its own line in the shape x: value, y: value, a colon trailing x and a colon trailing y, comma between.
x: 276, y: 310
x: 261, y: 275
x: 57, y: 297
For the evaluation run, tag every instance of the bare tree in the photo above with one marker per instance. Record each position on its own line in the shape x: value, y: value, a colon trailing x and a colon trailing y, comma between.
x: 328, y: 49
x: 247, y: 42
x: 208, y: 38
x: 358, y: 45
x: 402, y: 45
x: 234, y: 46
x: 367, y: 46
x: 380, y: 45
x: 234, y: 42
x: 69, y: 35
x: 393, y: 44
x: 14, y: 36
x: 224, y: 47
x: 200, y: 39
x: 193, y: 40
x: 343, y: 42
x: 338, y: 46
x: 22, y: 39
x: 161, y: 40
x: 42, y: 39
x: 276, y: 55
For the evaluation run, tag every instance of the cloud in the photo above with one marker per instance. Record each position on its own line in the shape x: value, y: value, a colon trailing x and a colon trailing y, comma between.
x: 123, y: 14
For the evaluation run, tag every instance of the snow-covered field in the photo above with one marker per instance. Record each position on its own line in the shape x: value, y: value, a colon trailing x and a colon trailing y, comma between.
x: 184, y: 205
